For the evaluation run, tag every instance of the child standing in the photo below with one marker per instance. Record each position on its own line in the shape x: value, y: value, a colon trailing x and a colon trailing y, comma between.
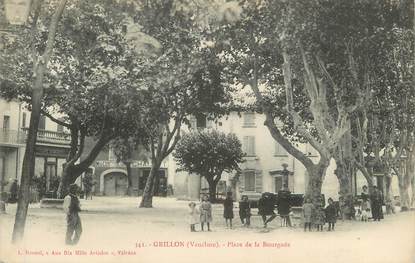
x: 205, y: 212
x: 365, y: 214
x: 308, y: 208
x: 228, y: 210
x: 245, y: 211
x: 331, y: 214
x: 194, y: 216
x: 319, y: 221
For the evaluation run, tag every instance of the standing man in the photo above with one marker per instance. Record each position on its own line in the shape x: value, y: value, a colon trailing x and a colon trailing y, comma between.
x: 266, y: 208
x: 71, y: 206
x: 377, y: 202
x: 284, y: 206
x: 14, y: 189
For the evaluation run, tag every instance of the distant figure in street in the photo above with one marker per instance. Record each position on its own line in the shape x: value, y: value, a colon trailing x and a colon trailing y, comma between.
x: 319, y: 217
x: 3, y: 199
x: 266, y: 208
x: 205, y: 212
x: 14, y: 189
x: 331, y: 214
x: 284, y: 206
x: 194, y: 216
x: 245, y: 211
x: 365, y: 206
x: 365, y: 214
x: 71, y: 206
x: 308, y: 209
x: 228, y: 209
x: 377, y: 202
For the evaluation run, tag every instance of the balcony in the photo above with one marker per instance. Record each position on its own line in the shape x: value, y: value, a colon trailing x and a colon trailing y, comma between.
x: 12, y: 137
x: 50, y: 137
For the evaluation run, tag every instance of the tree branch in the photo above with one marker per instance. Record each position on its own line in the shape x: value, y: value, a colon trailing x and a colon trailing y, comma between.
x: 314, y: 94
x: 47, y: 114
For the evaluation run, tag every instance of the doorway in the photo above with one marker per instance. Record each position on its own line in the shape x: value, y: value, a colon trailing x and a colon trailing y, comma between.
x: 115, y: 184
x: 278, y: 184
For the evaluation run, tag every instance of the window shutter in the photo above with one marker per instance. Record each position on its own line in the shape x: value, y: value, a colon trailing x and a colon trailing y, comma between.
x: 249, y: 119
x: 279, y: 150
x: 252, y: 146
x: 258, y: 181
x: 245, y: 144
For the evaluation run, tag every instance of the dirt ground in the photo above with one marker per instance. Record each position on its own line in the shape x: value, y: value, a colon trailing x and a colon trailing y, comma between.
x: 116, y: 230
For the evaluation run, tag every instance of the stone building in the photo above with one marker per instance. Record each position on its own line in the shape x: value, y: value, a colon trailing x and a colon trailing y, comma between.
x: 51, y: 148
x: 110, y: 176
x: 264, y: 163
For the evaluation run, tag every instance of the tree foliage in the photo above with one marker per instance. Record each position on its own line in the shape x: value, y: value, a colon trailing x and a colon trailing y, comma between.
x: 209, y: 153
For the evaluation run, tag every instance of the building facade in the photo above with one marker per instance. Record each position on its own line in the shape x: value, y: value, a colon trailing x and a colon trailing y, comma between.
x: 110, y: 176
x: 12, y: 142
x: 263, y: 169
x: 51, y: 149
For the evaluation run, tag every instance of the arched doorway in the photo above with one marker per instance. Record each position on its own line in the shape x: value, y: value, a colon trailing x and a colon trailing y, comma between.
x: 114, y: 183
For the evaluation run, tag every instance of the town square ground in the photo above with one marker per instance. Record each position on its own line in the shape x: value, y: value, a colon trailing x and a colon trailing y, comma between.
x: 115, y: 230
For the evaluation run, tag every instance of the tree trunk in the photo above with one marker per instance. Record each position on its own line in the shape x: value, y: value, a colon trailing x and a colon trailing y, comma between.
x: 147, y: 199
x: 405, y: 176
x: 129, y: 179
x: 403, y: 193
x: 212, y: 191
x: 69, y: 176
x: 413, y: 191
x: 156, y: 183
x: 344, y: 175
x: 388, y: 194
x: 344, y: 172
x: 28, y: 168
x: 29, y: 158
x: 72, y: 171
x: 315, y: 182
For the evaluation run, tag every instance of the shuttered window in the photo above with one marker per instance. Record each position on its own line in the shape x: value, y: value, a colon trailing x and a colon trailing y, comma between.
x: 249, y: 119
x: 279, y: 150
x: 249, y: 145
x: 42, y: 123
x: 24, y: 120
x: 249, y: 179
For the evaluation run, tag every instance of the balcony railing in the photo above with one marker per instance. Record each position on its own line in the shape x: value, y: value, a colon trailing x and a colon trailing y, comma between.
x: 45, y: 136
x: 12, y: 137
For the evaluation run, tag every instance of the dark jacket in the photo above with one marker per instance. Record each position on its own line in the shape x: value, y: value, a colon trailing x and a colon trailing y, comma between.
x: 266, y: 206
x: 331, y: 213
x: 284, y: 205
x: 74, y: 207
x: 228, y: 208
x: 244, y: 209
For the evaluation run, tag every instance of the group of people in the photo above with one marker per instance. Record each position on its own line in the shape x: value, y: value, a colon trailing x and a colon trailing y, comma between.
x: 266, y: 207
x: 371, y: 204
x: 313, y: 214
x: 203, y: 214
x: 318, y: 215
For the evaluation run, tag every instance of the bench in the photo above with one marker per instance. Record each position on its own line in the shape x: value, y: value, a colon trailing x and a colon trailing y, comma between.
x: 51, y: 203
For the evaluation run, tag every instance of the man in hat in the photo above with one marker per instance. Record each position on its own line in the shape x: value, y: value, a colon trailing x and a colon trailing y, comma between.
x: 71, y: 206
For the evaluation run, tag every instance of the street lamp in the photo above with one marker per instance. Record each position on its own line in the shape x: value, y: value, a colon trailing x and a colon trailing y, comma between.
x: 285, y: 173
x: 17, y: 11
